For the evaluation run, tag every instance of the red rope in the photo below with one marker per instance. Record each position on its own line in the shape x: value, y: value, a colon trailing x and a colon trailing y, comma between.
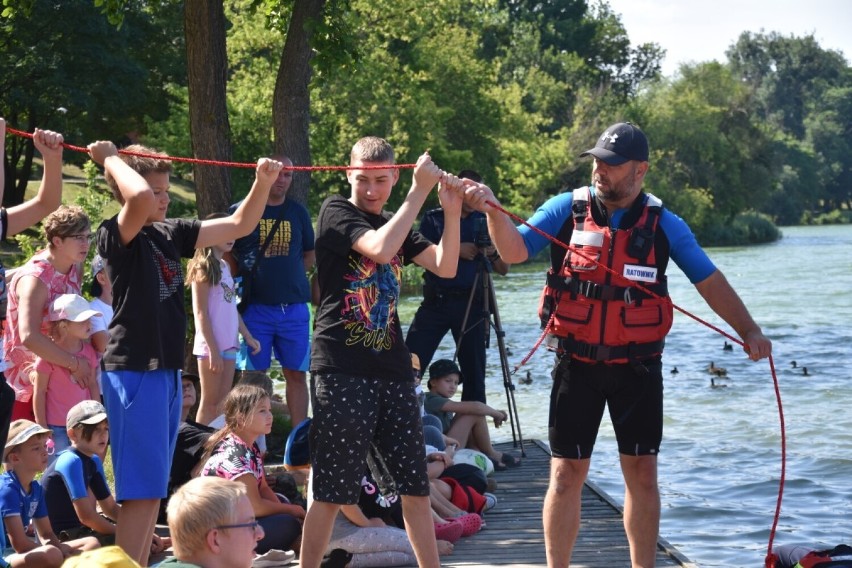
x: 770, y: 557
x: 223, y: 163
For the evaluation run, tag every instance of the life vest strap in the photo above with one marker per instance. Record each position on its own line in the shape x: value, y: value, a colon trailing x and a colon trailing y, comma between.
x: 602, y: 353
x: 595, y: 291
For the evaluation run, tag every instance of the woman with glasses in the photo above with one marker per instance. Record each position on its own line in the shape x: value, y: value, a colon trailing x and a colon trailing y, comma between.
x: 22, y: 216
x: 51, y: 272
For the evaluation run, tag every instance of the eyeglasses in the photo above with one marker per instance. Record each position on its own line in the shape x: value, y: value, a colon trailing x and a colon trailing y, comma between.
x: 254, y: 525
x: 82, y: 237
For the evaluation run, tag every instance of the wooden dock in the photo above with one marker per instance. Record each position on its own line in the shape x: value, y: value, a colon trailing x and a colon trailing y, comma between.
x: 514, y: 535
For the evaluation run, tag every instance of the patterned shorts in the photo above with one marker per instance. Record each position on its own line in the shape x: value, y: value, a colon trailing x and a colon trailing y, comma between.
x: 349, y: 414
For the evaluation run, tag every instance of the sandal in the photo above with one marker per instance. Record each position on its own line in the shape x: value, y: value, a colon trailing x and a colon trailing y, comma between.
x: 509, y: 460
x: 498, y: 464
x: 450, y: 531
x: 470, y: 522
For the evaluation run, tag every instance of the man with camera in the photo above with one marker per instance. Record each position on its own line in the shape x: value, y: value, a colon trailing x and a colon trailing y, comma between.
x: 446, y: 300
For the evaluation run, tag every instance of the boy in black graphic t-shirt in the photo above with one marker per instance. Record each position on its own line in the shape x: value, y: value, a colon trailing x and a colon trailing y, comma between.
x: 360, y: 367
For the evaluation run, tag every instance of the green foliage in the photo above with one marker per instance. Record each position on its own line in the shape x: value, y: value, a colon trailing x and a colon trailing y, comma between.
x: 746, y: 228
x: 65, y: 67
x: 93, y: 201
x: 836, y: 217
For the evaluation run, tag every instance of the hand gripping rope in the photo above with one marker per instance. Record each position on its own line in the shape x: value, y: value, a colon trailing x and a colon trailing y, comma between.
x: 770, y: 557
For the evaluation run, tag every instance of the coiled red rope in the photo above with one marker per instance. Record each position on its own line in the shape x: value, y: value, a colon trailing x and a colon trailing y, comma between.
x: 770, y: 558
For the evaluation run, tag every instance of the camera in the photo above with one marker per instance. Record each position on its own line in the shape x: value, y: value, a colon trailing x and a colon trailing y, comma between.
x: 481, y: 238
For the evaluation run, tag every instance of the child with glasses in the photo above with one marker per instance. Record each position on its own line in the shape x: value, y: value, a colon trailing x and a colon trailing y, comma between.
x: 212, y: 524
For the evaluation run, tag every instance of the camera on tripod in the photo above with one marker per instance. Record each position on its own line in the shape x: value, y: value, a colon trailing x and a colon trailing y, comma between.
x: 481, y: 238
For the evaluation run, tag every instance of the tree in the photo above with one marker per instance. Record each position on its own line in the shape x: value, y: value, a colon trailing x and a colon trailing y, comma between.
x: 291, y: 102
x: 703, y: 138
x: 64, y: 67
x: 207, y: 65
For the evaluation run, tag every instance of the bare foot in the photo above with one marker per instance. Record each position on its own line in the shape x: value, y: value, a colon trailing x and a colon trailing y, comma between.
x: 445, y: 548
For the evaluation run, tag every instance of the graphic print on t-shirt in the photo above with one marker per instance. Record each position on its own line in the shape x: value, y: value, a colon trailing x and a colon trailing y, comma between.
x: 228, y: 291
x: 370, y: 302
x: 171, y: 276
x: 280, y: 243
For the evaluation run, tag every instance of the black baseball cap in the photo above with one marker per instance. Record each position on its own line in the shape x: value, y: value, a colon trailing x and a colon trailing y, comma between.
x: 442, y: 368
x: 621, y: 142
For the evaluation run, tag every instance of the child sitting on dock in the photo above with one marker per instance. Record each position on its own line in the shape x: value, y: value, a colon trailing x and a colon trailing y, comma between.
x: 464, y: 421
x: 233, y: 454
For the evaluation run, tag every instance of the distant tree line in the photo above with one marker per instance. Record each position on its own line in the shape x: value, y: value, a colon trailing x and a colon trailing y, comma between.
x: 513, y: 88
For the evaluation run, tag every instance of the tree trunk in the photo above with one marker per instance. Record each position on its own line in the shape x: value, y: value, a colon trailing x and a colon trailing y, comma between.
x: 291, y: 104
x: 210, y: 131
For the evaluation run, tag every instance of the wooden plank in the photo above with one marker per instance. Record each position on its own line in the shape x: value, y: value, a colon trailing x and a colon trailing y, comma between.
x: 514, y: 535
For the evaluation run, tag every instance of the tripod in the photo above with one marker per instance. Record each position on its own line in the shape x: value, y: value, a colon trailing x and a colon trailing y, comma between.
x: 484, y: 282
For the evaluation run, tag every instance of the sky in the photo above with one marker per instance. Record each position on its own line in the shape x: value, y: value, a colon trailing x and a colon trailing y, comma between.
x: 701, y: 30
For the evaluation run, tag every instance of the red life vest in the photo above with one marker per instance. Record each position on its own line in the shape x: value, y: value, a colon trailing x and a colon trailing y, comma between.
x: 598, y: 317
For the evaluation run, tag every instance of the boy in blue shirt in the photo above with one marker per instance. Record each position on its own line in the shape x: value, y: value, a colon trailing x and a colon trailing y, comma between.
x: 22, y: 499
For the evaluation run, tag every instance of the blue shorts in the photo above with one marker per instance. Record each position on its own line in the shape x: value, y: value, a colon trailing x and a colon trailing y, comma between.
x: 227, y: 355
x: 282, y: 328
x: 143, y: 409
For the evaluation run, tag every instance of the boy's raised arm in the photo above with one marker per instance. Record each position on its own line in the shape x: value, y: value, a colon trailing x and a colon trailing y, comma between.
x: 247, y: 215
x: 443, y: 259
x: 136, y: 192
x: 49, y: 196
x: 382, y: 244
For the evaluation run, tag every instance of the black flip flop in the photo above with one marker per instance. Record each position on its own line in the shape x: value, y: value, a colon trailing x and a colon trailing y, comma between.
x: 509, y: 460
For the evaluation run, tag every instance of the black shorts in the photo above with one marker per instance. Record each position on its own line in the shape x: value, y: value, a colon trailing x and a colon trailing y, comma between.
x: 349, y: 413
x: 580, y: 392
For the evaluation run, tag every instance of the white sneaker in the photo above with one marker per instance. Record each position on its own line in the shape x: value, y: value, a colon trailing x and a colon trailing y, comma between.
x: 490, y: 501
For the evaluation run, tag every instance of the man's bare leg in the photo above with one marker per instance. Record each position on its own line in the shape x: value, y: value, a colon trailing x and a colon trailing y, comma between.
x: 561, y: 513
x: 296, y: 391
x: 641, y: 508
x: 417, y: 513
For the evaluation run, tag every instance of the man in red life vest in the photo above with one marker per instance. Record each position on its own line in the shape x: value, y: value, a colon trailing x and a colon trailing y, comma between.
x: 609, y: 333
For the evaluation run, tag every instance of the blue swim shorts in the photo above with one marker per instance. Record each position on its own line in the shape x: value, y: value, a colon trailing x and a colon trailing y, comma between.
x: 143, y: 409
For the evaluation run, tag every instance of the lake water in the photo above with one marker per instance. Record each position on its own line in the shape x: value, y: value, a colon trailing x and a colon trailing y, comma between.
x: 720, y: 461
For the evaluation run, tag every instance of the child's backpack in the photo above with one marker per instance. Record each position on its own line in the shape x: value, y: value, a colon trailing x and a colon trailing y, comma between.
x: 838, y: 557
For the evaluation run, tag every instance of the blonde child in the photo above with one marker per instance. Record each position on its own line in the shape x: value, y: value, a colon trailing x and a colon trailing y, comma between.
x: 216, y: 324
x: 233, y: 454
x: 22, y: 500
x: 55, y: 388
